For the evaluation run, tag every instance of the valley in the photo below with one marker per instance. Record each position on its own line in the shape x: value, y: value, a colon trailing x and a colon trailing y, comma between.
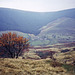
x: 50, y: 45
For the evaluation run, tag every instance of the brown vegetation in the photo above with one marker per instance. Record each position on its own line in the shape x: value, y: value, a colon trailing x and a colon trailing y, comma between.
x: 29, y: 67
x: 13, y: 44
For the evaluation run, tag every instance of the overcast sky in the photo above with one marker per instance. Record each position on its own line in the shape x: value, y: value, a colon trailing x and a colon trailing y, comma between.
x: 38, y: 5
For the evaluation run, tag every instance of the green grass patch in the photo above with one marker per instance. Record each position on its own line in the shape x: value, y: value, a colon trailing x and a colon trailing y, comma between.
x: 38, y: 43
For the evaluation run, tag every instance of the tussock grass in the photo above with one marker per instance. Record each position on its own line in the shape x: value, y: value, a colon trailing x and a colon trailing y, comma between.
x: 29, y: 67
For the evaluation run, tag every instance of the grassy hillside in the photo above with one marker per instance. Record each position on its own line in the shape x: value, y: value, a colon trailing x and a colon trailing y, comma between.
x: 33, y: 64
x: 29, y: 67
x: 61, y: 30
x: 62, y: 24
x: 66, y: 55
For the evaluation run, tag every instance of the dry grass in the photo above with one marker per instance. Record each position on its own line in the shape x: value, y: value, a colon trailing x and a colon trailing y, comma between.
x: 29, y: 67
x: 36, y: 67
x: 65, y: 56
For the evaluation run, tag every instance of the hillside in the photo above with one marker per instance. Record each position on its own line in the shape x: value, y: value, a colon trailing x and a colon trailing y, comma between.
x: 61, y: 30
x: 29, y: 67
x: 62, y: 26
x: 59, y: 25
x: 29, y: 22
x: 63, y: 65
x: 42, y: 28
x: 25, y: 35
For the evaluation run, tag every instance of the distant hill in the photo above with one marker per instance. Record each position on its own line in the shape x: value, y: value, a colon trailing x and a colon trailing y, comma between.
x: 17, y: 32
x: 62, y: 26
x: 29, y: 22
x: 61, y: 30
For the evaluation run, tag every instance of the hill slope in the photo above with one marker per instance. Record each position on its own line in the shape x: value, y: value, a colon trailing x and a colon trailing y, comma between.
x: 61, y: 30
x: 29, y: 67
x: 29, y: 22
x: 61, y: 25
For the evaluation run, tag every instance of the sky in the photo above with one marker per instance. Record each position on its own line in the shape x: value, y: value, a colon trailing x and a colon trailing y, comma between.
x: 38, y: 5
